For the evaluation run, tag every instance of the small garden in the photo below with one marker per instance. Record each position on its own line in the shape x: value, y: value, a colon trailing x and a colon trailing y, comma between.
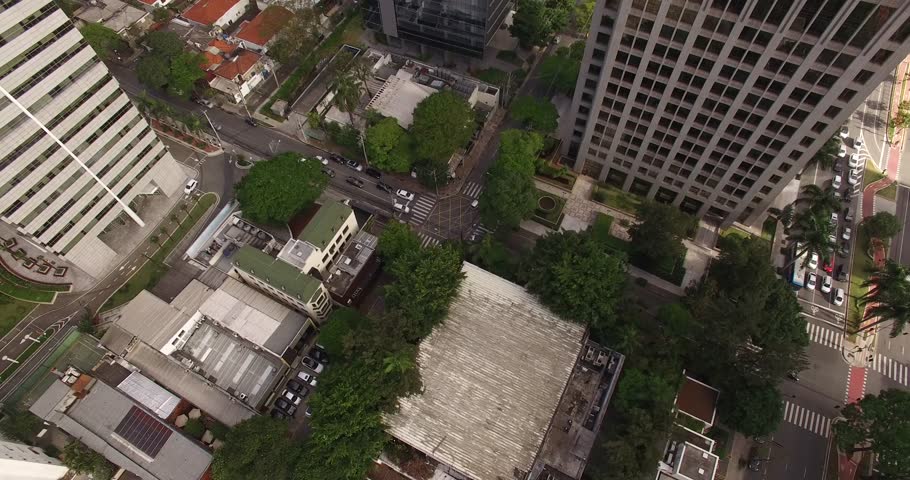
x: 549, y: 209
x: 601, y: 231
x: 616, y: 198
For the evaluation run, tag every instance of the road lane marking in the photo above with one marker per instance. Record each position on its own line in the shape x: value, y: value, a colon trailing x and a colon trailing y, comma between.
x: 422, y: 208
x: 426, y: 240
x: 472, y: 189
x: 825, y: 336
x: 892, y: 369
x: 807, y: 419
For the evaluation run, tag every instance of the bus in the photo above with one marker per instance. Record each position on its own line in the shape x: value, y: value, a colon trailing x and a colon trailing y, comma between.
x: 798, y: 276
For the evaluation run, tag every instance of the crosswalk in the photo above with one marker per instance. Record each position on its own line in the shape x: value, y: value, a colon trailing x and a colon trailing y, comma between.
x: 479, y: 232
x: 426, y: 240
x: 807, y: 419
x: 825, y: 336
x: 892, y: 369
x: 472, y: 189
x: 421, y: 209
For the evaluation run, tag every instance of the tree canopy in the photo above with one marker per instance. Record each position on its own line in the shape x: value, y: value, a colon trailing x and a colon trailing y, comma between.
x: 754, y: 410
x: 383, y: 144
x: 81, y: 459
x: 443, y: 123
x: 168, y: 65
x: 887, y: 298
x: 657, y: 238
x: 882, y: 225
x: 277, y: 188
x: 536, y: 21
x: 297, y: 38
x: 510, y: 195
x: 396, y: 240
x: 827, y: 154
x: 259, y: 447
x: 103, y: 40
x: 879, y: 423
x: 560, y: 70
x: 538, y: 114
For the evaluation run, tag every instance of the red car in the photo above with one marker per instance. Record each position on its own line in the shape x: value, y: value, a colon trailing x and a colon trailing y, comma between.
x: 828, y: 265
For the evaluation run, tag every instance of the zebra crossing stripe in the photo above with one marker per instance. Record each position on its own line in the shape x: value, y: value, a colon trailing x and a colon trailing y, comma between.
x: 807, y: 419
x: 422, y: 208
x: 892, y: 369
x: 825, y: 336
x: 472, y: 189
x: 426, y: 240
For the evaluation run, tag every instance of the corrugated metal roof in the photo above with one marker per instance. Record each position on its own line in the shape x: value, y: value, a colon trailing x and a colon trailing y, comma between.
x: 152, y: 319
x: 493, y: 373
x: 155, y: 397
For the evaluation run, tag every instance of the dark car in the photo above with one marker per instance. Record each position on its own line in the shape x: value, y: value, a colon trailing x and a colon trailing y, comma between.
x: 846, y: 195
x: 275, y: 413
x: 385, y: 187
x: 337, y: 158
x: 329, y: 172
x: 312, y: 364
x: 319, y: 355
x: 251, y: 122
x: 355, y: 181
x: 838, y: 167
x: 285, y: 406
x: 847, y: 216
x: 373, y: 172
x: 294, y: 386
x: 841, y: 274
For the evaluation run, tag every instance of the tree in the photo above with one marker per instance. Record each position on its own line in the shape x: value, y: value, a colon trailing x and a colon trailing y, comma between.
x: 887, y: 298
x: 396, y: 240
x: 575, y: 275
x: 167, y: 64
x: 882, y: 225
x: 382, y: 144
x: 493, y: 256
x: 152, y: 70
x: 82, y: 459
x: 582, y: 15
x: 161, y: 15
x: 334, y: 335
x: 164, y: 43
x: 296, y: 37
x: 510, y: 195
x: 276, y: 189
x: 184, y: 69
x: 821, y: 200
x: 814, y: 233
x: 879, y: 423
x: 560, y: 70
x: 538, y: 114
x: 754, y: 410
x: 902, y: 117
x: 259, y: 447
x: 536, y: 21
x: 657, y: 238
x: 103, y: 40
x: 347, y: 95
x: 443, y: 123
x: 827, y: 154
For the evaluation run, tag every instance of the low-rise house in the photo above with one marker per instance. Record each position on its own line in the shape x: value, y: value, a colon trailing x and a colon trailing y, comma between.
x: 689, y: 454
x: 320, y: 233
x: 216, y: 13
x: 116, y: 15
x: 233, y: 70
x: 258, y: 33
x: 157, y: 3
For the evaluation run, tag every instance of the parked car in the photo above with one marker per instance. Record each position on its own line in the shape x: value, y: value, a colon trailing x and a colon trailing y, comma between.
x: 275, y: 413
x: 857, y: 142
x: 328, y: 171
x: 847, y: 233
x: 354, y: 164
x: 309, y: 411
x: 836, y: 182
x: 845, y: 249
x: 313, y: 364
x: 251, y: 122
x: 337, y: 158
x: 844, y: 132
x: 320, y: 355
x: 846, y: 195
x: 847, y: 216
x: 290, y: 397
x: 834, y: 219
x: 295, y: 386
x: 827, y: 283
x: 838, y: 167
x: 401, y: 207
x: 285, y: 406
x: 853, y: 179
x: 841, y: 274
x: 404, y: 194
x: 839, y: 297
x: 828, y: 264
x: 811, y: 281
x: 373, y: 172
x: 843, y: 151
x: 385, y: 187
x: 307, y: 378
x: 322, y: 160
x: 813, y: 261
x: 204, y: 102
x: 190, y: 186
x: 355, y: 182
x: 854, y: 161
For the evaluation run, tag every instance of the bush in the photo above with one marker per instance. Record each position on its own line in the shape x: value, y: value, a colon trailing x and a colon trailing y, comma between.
x: 194, y: 428
x: 219, y: 430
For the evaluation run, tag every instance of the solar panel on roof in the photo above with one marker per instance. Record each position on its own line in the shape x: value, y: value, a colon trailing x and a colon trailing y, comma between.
x: 143, y: 431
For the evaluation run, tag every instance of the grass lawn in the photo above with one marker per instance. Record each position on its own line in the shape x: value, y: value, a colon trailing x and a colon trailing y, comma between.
x: 552, y: 218
x: 492, y: 76
x: 147, y: 276
x: 6, y: 275
x: 872, y: 174
x: 859, y: 271
x: 734, y: 232
x: 616, y: 198
x: 889, y: 192
x: 12, y: 311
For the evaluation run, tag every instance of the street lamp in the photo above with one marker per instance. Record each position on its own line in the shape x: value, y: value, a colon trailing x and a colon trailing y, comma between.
x: 7, y: 359
x: 27, y: 337
x: 220, y: 144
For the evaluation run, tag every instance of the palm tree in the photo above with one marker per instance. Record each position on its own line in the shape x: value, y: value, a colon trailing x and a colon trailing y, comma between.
x: 821, y: 199
x: 400, y: 362
x: 813, y: 233
x: 827, y: 154
x: 347, y: 95
x: 888, y: 298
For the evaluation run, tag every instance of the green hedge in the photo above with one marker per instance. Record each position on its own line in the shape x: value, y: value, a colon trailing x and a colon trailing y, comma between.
x: 7, y: 276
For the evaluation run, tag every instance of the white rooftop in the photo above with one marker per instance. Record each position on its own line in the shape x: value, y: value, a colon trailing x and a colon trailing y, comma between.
x: 153, y: 396
x: 493, y: 374
x: 398, y: 98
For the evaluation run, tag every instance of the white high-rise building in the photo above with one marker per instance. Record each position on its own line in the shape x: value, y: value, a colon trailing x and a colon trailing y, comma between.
x: 74, y: 152
x: 22, y: 462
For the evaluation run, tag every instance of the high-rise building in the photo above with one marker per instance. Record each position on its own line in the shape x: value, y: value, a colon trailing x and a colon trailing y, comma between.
x: 460, y: 26
x: 22, y: 462
x: 74, y: 152
x: 715, y: 105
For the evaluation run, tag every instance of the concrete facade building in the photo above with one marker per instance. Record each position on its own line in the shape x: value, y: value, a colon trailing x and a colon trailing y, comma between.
x: 75, y: 154
x: 23, y: 462
x: 320, y: 234
x: 715, y: 105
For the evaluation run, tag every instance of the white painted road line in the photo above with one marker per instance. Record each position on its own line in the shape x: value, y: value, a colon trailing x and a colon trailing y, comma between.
x: 472, y: 189
x: 892, y: 369
x: 422, y: 208
x: 825, y: 336
x: 426, y: 240
x: 807, y: 419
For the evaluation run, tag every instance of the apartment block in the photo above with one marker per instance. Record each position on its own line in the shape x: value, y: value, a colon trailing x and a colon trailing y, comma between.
x: 715, y: 105
x: 75, y: 154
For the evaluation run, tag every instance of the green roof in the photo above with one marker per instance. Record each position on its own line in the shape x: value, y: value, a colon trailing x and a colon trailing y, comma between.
x: 277, y: 273
x: 325, y: 223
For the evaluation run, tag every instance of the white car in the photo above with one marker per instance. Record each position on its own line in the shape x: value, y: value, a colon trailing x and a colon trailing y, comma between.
x: 190, y: 186
x: 813, y: 261
x: 811, y: 281
x: 404, y: 194
x: 839, y: 297
x: 833, y: 219
x: 324, y: 161
x: 844, y: 131
x: 857, y: 143
x: 292, y: 398
x: 842, y: 152
x: 836, y: 182
x: 827, y: 282
x: 853, y: 178
x: 307, y: 378
x: 854, y: 160
x: 401, y: 207
x: 847, y: 233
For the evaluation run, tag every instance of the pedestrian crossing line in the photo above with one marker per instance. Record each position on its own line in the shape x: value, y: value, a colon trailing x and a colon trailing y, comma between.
x: 825, y: 336
x: 472, y: 189
x: 892, y: 369
x: 807, y: 419
x: 421, y: 208
x: 426, y: 240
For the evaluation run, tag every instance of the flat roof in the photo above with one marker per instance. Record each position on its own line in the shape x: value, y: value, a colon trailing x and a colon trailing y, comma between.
x: 697, y: 399
x: 151, y: 319
x: 398, y: 97
x: 277, y: 273
x: 153, y: 396
x: 321, y: 229
x: 264, y: 26
x: 695, y: 463
x: 493, y: 373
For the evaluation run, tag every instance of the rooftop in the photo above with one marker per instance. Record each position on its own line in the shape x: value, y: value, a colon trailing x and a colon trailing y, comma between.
x: 276, y: 273
x: 697, y: 400
x: 114, y: 14
x: 493, y: 374
x: 356, y: 257
x: 238, y: 65
x: 264, y: 26
x: 324, y: 224
x: 152, y: 320
x: 695, y: 463
x: 208, y: 12
x: 399, y: 96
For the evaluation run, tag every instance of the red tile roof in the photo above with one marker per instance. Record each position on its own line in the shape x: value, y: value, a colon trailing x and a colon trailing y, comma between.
x: 213, y: 53
x: 148, y: 2
x: 262, y: 28
x: 698, y: 400
x: 238, y: 65
x: 208, y: 12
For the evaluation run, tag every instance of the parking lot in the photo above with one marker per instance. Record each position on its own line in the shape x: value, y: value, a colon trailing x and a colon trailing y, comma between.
x: 293, y: 394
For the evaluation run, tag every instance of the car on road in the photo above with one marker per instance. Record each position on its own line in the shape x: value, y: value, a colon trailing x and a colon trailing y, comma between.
x: 854, y: 161
x: 475, y: 203
x: 401, y: 207
x: 843, y: 151
x: 328, y: 171
x: 857, y: 142
x: 309, y: 411
x: 354, y: 165
x: 385, y: 187
x: 404, y: 194
x: 355, y: 181
x: 190, y: 186
x: 373, y: 172
x: 322, y: 160
x: 337, y: 158
x: 307, y: 378
x: 251, y: 122
x: 838, y: 167
x: 204, y: 102
x: 839, y: 297
x: 828, y: 264
x: 811, y: 281
x: 313, y: 364
x: 827, y: 283
x: 844, y: 249
x: 285, y: 406
x: 847, y: 233
x: 295, y: 386
x: 853, y: 179
x: 844, y: 132
x: 813, y: 261
x: 836, y: 182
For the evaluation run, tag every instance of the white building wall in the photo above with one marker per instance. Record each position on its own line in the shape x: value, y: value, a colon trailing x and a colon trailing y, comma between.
x: 233, y: 14
x: 22, y: 462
